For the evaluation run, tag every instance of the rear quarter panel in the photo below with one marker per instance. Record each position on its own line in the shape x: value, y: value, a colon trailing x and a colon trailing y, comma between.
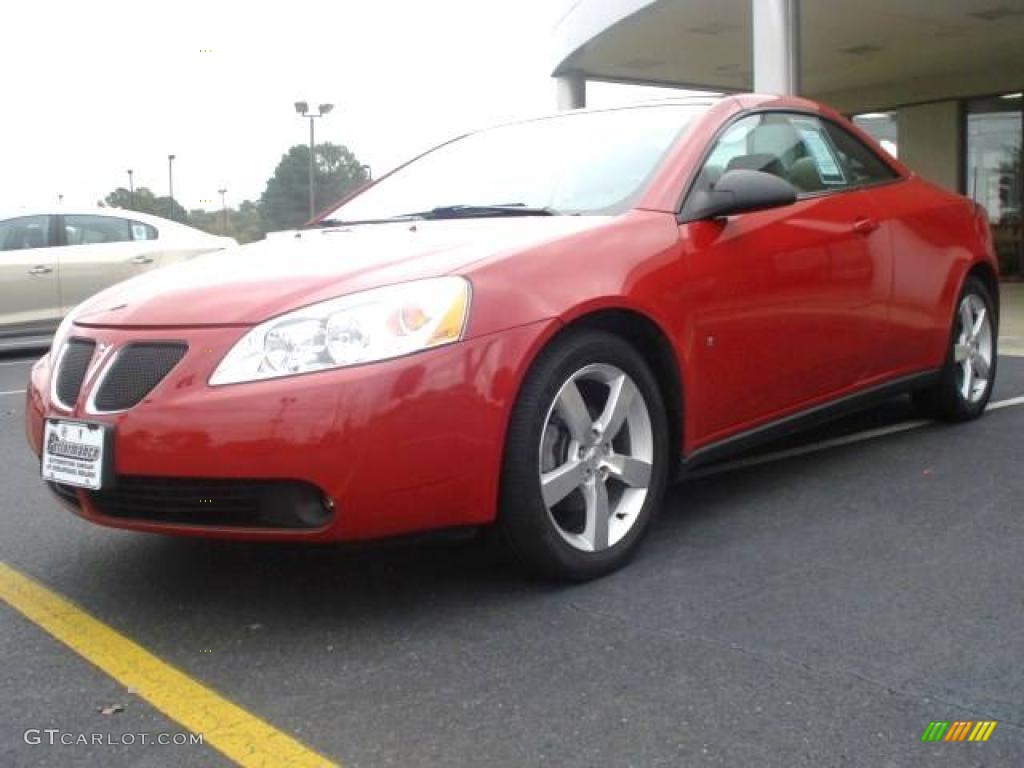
x: 935, y: 243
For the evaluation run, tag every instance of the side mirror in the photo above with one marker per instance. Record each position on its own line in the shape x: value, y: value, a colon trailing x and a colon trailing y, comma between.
x: 740, y: 191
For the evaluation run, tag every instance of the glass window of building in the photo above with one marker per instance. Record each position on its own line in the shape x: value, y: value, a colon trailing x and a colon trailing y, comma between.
x: 883, y: 127
x: 993, y: 174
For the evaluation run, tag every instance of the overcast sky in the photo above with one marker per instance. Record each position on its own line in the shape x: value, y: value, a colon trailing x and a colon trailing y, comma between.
x: 94, y: 88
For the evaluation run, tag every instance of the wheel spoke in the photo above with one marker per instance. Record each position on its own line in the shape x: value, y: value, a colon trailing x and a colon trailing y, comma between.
x: 635, y: 473
x: 961, y: 352
x: 622, y: 390
x: 560, y: 482
x: 968, y: 382
x: 966, y: 321
x: 574, y: 412
x: 596, y: 531
x: 981, y: 366
x: 979, y: 322
x: 578, y: 457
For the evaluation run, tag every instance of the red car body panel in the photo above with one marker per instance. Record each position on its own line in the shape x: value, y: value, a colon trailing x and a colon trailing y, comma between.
x: 765, y: 314
x: 399, y: 446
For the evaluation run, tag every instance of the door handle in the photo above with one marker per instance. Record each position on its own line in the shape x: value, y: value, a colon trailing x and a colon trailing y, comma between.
x: 865, y: 226
x: 39, y: 269
x: 142, y: 260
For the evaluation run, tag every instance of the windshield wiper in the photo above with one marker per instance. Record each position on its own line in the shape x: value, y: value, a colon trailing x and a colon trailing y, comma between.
x: 482, y: 211
x: 449, y: 212
x: 326, y: 223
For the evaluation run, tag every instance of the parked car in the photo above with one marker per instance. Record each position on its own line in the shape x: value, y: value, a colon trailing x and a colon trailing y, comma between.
x: 52, y: 260
x: 534, y: 327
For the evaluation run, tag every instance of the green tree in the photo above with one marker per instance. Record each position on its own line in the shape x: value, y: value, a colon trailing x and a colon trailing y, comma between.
x: 244, y: 223
x: 285, y: 202
x: 143, y: 201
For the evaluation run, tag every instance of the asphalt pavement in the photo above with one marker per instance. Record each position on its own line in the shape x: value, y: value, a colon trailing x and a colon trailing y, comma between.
x: 817, y: 609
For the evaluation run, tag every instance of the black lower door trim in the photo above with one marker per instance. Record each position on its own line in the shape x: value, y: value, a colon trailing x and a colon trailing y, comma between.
x: 744, y: 441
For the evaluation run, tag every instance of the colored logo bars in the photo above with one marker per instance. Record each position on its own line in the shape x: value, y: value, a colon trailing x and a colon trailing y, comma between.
x: 958, y: 730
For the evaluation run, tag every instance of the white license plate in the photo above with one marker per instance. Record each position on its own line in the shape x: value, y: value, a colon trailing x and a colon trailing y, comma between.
x: 73, y: 453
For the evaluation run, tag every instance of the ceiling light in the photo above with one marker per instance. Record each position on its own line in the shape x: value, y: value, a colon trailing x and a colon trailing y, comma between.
x: 1017, y: 95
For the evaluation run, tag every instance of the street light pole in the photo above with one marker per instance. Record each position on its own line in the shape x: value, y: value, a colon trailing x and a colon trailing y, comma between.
x: 223, y: 212
x: 302, y: 108
x: 131, y: 190
x: 170, y: 186
x: 312, y: 180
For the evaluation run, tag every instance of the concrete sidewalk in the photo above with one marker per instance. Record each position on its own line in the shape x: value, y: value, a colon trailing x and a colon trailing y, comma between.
x: 1011, y: 323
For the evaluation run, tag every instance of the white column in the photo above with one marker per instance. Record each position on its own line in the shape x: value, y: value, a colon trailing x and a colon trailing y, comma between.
x: 571, y: 91
x: 776, y: 26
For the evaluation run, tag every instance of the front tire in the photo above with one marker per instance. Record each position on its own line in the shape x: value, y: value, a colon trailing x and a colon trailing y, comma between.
x: 965, y: 383
x: 586, y: 458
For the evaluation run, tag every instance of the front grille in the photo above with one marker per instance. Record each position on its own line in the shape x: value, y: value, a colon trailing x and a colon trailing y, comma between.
x: 73, y: 365
x: 64, y: 492
x: 136, y: 369
x: 220, y: 502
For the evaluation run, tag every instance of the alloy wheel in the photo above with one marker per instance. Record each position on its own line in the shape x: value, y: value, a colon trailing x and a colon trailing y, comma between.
x: 595, y: 457
x: 972, y: 349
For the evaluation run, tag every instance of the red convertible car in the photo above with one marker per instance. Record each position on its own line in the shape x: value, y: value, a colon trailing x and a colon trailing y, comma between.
x: 534, y: 327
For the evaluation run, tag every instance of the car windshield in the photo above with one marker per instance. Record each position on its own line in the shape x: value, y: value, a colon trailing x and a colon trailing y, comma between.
x: 582, y: 162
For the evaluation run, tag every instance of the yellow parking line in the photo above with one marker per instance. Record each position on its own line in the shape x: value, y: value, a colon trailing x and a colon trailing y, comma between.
x: 239, y: 735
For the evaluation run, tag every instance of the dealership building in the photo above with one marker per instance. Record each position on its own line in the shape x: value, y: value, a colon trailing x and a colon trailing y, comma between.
x: 937, y: 82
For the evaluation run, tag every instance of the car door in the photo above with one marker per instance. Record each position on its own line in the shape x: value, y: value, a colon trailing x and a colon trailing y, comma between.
x: 96, y: 251
x: 29, y: 294
x: 925, y: 244
x: 786, y: 303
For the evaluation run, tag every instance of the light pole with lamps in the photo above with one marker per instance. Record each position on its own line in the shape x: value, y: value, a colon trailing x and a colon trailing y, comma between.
x: 302, y: 108
x: 223, y: 212
x: 170, y: 186
x: 131, y: 190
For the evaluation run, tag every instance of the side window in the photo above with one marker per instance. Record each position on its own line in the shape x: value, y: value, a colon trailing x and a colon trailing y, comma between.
x: 88, y: 230
x: 818, y: 167
x: 793, y: 147
x: 25, y: 232
x: 731, y: 147
x: 813, y: 155
x: 142, y: 231
x: 865, y: 167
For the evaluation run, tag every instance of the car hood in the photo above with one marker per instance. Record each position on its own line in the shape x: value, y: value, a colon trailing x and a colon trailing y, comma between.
x: 250, y: 284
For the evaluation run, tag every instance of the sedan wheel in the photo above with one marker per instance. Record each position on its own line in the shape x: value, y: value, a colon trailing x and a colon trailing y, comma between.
x: 964, y: 385
x: 973, y: 348
x: 586, y: 458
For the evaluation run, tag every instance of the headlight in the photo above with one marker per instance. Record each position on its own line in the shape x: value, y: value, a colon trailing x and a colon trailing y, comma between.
x: 360, y: 328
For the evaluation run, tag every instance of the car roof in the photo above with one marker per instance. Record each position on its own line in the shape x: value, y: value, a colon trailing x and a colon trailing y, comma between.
x: 95, y: 210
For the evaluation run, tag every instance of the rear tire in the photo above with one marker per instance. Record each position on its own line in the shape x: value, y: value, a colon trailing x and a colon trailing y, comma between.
x: 965, y: 383
x: 586, y: 458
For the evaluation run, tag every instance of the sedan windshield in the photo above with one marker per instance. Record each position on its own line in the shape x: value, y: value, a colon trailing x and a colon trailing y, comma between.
x: 582, y: 162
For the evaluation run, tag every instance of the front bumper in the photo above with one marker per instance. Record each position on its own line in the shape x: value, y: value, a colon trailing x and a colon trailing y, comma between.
x: 394, y: 447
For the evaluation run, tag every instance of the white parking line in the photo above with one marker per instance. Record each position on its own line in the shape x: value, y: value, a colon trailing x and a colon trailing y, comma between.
x: 824, y: 445
x: 1006, y: 403
x: 13, y: 392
